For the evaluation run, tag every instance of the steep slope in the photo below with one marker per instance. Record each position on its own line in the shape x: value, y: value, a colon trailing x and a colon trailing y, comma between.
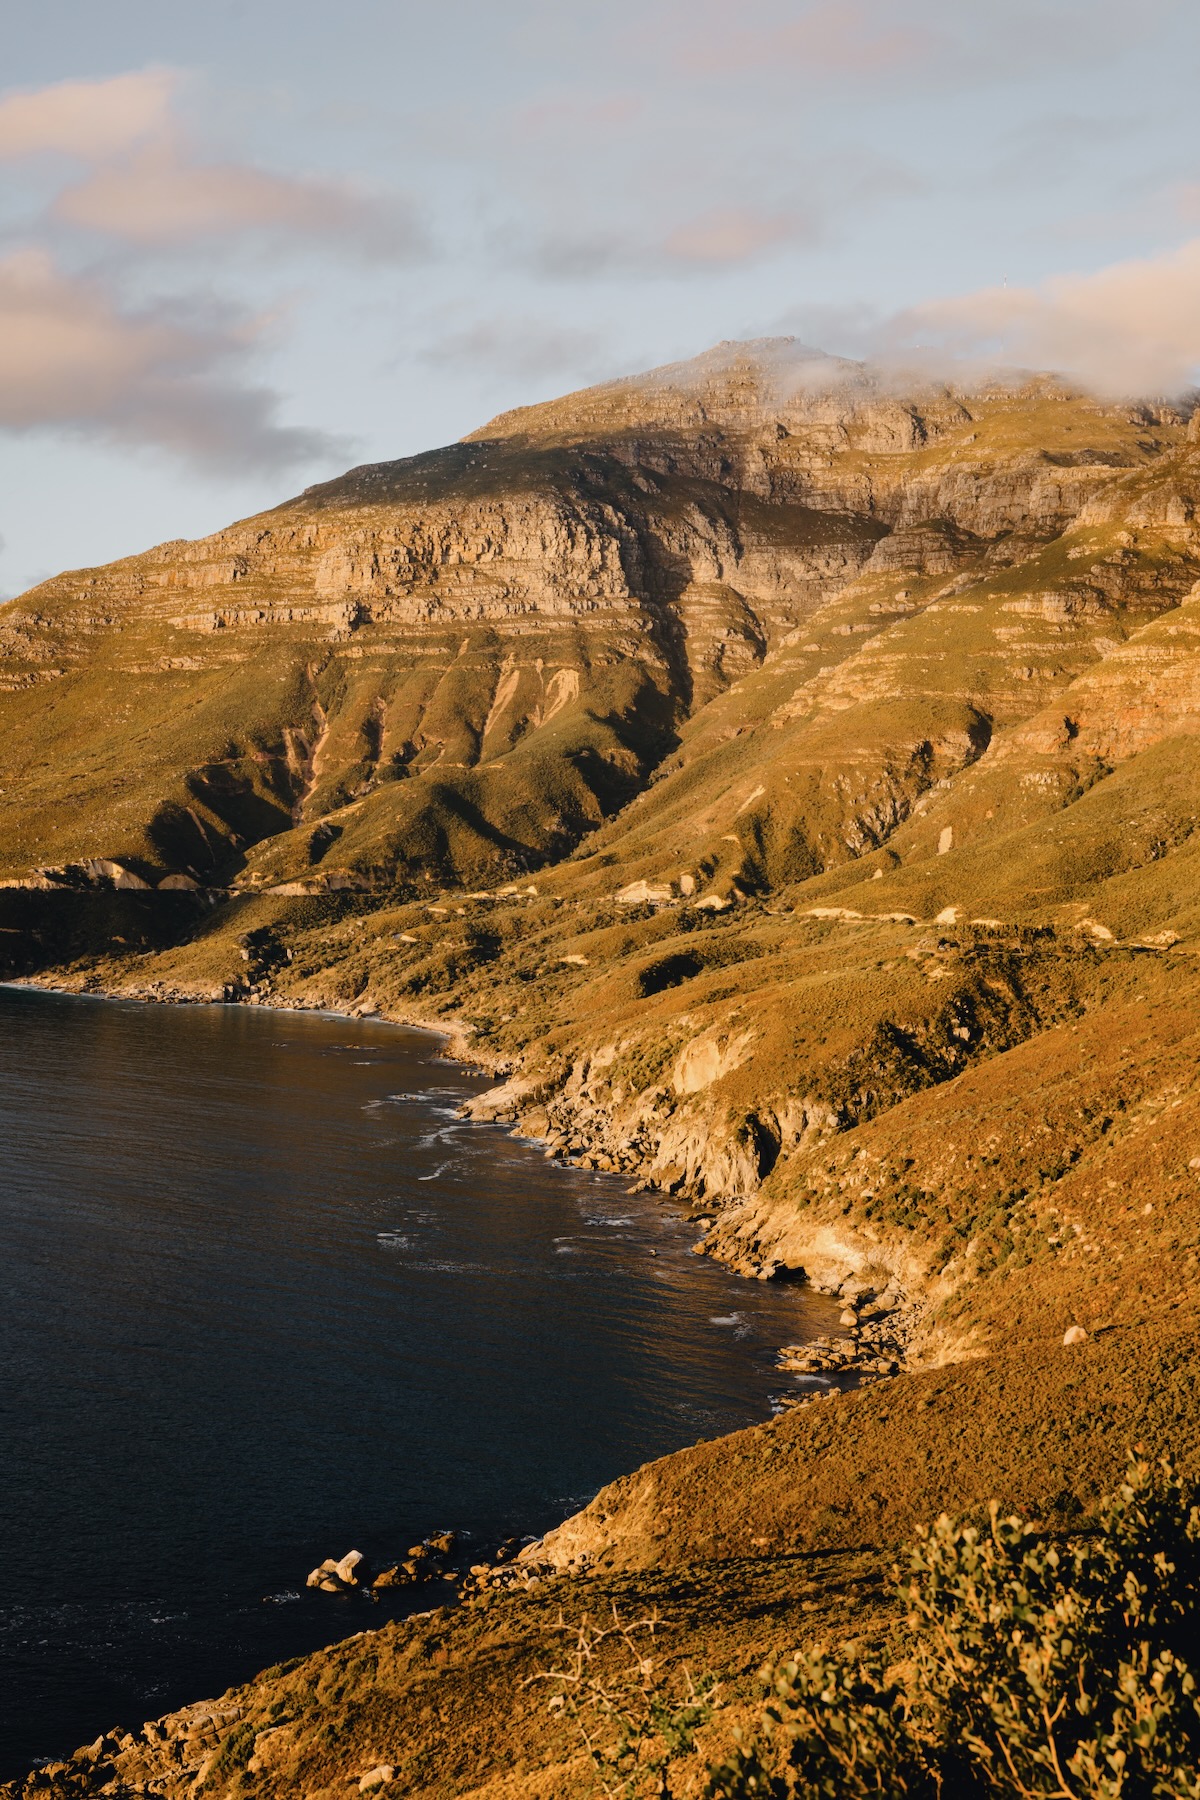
x: 455, y: 667
x: 851, y: 730
x: 867, y: 661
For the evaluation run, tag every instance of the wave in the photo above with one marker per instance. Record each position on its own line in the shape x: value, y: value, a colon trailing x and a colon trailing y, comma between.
x: 436, y: 1137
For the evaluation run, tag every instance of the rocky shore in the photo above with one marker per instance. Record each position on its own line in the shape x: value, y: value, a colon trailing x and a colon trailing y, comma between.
x: 884, y: 1324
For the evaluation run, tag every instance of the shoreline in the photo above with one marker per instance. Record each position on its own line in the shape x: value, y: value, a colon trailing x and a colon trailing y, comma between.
x: 451, y: 1032
x: 523, y: 1572
x: 857, y: 1362
x: 554, y: 1555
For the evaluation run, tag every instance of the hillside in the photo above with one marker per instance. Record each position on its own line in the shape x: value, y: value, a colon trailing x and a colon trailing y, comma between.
x: 784, y: 779
x: 455, y: 668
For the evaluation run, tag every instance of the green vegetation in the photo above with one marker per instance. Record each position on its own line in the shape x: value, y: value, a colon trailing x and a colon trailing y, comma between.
x: 632, y: 1730
x: 1023, y: 1664
x: 796, y: 800
x: 1039, y: 1666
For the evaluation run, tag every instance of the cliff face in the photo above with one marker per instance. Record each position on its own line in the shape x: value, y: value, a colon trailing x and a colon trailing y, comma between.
x: 770, y: 666
x: 457, y: 666
x: 851, y: 731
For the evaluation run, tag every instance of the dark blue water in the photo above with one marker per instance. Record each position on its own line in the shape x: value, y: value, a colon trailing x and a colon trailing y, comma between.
x: 264, y: 1298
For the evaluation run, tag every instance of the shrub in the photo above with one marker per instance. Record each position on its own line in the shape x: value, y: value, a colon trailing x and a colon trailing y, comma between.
x: 1039, y: 1667
x: 632, y: 1726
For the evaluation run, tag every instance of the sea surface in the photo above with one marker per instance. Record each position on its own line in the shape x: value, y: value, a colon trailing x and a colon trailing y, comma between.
x: 265, y: 1298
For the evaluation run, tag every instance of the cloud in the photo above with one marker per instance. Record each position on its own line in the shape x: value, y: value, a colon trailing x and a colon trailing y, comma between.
x: 147, y: 185
x: 79, y: 354
x: 735, y: 234
x: 71, y: 358
x: 1060, y: 142
x: 599, y: 116
x: 89, y: 119
x: 158, y: 197
x: 939, y: 44
x: 1185, y: 197
x: 654, y: 239
x: 1130, y: 329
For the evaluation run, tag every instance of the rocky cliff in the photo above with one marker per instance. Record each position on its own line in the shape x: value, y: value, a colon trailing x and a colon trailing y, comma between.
x: 456, y: 667
x: 768, y: 664
x: 783, y: 778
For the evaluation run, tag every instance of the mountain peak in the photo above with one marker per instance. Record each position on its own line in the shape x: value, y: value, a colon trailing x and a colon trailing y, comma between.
x: 735, y: 383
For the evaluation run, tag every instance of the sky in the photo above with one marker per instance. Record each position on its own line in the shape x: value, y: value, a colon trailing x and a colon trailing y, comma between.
x: 247, y: 244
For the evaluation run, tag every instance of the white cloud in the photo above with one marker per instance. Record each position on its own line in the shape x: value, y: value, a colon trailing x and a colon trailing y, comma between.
x: 924, y: 42
x: 735, y: 234
x: 72, y: 358
x: 1130, y: 329
x: 89, y: 119
x: 148, y: 185
x: 77, y: 354
x: 832, y: 37
x: 652, y: 238
x: 158, y: 196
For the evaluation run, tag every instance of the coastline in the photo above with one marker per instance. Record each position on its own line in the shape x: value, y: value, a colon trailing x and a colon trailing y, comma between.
x: 809, y: 1480
x: 523, y: 1576
x: 451, y: 1031
x: 516, y: 1104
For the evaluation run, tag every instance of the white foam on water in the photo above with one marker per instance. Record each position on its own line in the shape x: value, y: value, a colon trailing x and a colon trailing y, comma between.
x: 436, y: 1137
x: 449, y: 1111
x: 440, y: 1170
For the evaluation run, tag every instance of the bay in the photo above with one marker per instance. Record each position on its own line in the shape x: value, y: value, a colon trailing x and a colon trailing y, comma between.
x: 264, y: 1297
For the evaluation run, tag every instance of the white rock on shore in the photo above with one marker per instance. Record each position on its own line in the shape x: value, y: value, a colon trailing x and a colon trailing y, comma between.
x: 334, y: 1577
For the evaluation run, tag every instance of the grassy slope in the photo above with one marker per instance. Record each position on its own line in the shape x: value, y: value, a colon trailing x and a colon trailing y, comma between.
x: 742, y: 1547
x: 452, y: 1700
x: 1003, y: 1115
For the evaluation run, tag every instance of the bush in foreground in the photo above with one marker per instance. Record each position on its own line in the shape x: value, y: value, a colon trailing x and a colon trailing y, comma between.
x: 1039, y: 1668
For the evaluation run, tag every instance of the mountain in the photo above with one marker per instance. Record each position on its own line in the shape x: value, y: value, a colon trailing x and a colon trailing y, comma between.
x: 456, y: 666
x: 783, y: 775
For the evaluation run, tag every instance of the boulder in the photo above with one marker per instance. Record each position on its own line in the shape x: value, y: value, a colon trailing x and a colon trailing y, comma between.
x: 1075, y: 1334
x: 638, y: 893
x: 376, y: 1778
x: 335, y: 1577
x: 393, y: 1577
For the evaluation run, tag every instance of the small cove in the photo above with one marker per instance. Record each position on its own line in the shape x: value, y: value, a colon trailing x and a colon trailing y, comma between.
x: 266, y: 1297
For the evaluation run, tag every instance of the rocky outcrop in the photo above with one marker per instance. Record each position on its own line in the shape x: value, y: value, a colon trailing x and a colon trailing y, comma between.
x: 457, y: 666
x: 341, y: 1576
x: 854, y: 731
